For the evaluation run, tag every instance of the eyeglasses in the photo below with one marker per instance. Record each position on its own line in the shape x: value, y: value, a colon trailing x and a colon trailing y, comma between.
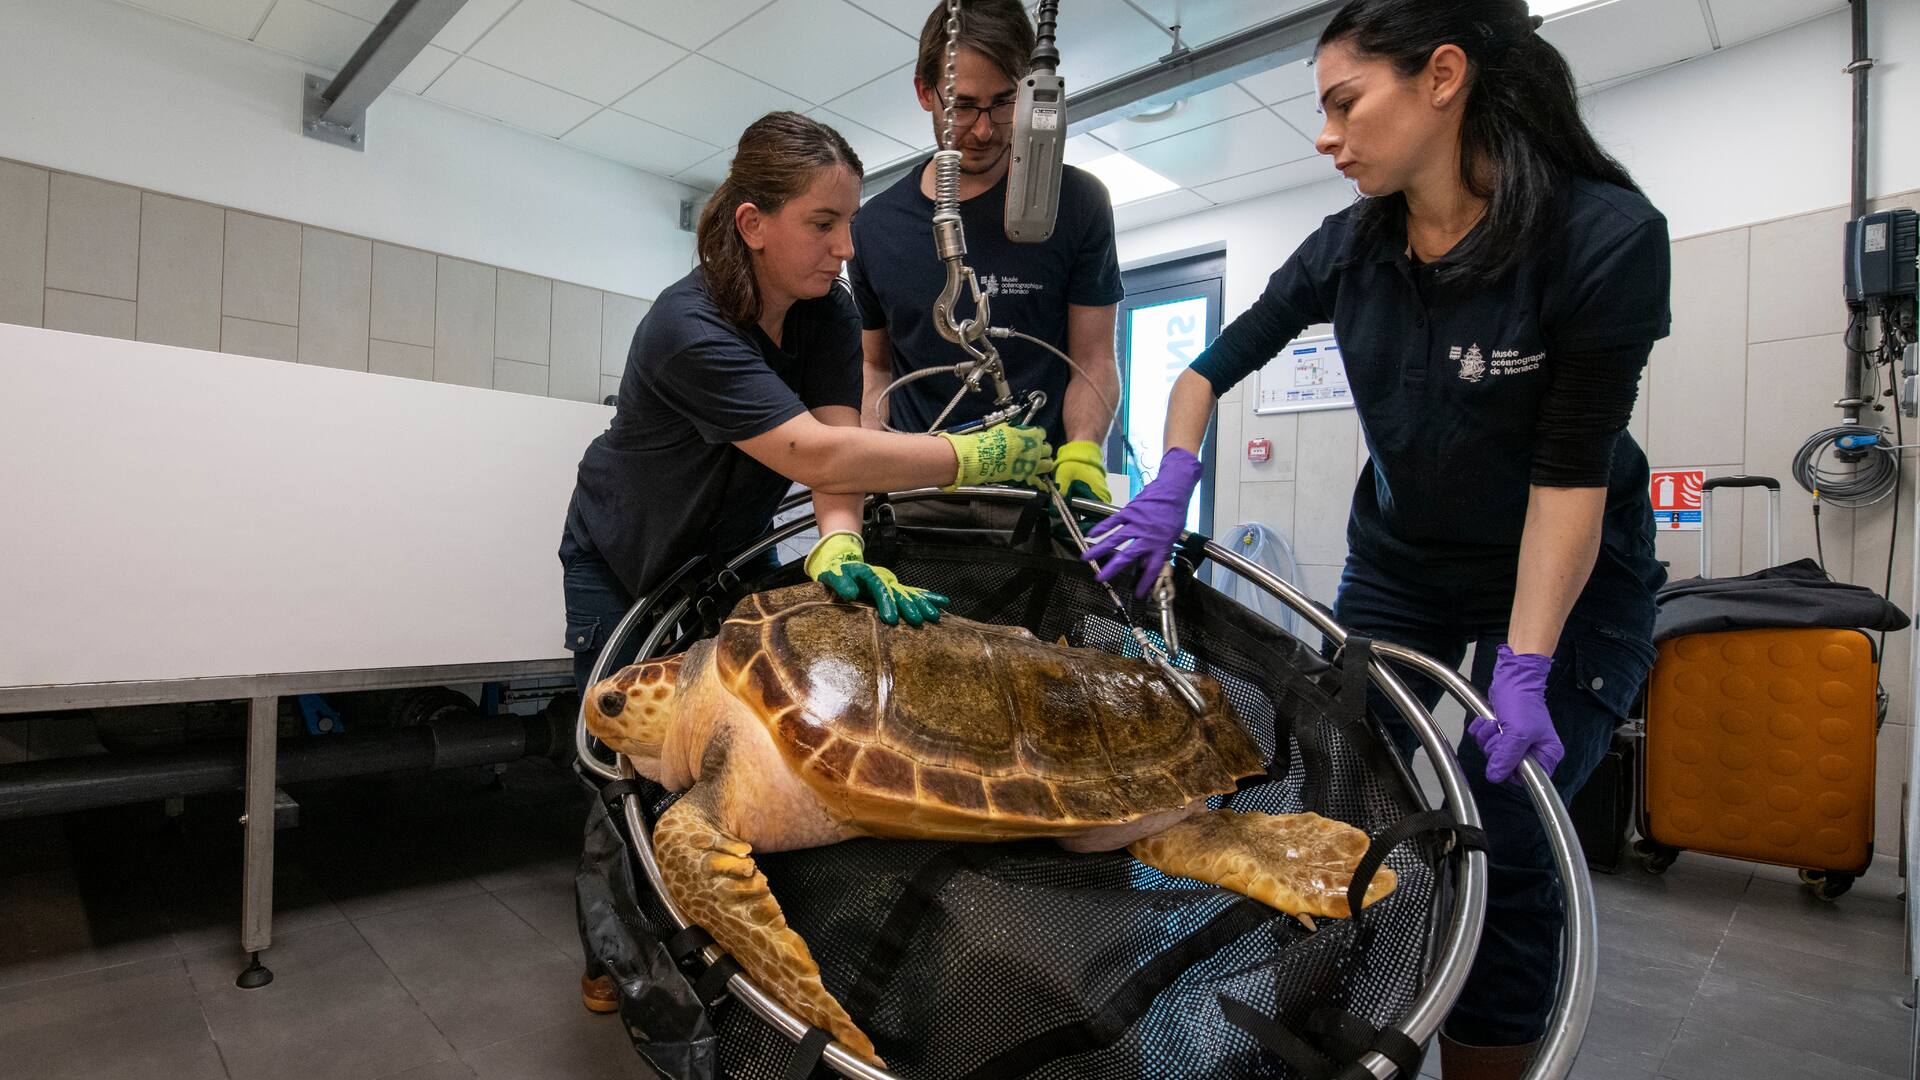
x: 1000, y: 112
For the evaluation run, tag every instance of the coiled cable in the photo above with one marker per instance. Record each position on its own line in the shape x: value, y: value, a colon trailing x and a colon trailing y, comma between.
x: 1847, y: 466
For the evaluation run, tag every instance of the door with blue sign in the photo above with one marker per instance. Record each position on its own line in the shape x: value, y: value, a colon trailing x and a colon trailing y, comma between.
x: 1170, y: 315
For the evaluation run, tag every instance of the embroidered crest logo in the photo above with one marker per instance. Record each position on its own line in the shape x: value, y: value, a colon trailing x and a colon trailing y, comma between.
x: 1473, y: 366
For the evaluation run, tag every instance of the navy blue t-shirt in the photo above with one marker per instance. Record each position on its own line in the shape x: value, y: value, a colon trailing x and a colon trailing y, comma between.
x: 664, y: 483
x: 1450, y: 381
x: 897, y: 275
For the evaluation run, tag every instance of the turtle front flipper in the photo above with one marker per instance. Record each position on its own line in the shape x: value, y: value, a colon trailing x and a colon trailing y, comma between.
x: 710, y: 874
x: 1301, y: 864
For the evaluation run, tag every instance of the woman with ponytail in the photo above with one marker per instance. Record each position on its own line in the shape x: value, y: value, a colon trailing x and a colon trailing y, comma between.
x: 743, y: 379
x: 1496, y: 291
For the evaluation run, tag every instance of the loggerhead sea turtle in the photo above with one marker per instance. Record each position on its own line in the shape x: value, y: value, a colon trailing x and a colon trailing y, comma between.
x: 806, y: 721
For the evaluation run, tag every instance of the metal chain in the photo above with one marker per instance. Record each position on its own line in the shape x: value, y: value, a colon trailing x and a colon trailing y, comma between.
x: 953, y: 59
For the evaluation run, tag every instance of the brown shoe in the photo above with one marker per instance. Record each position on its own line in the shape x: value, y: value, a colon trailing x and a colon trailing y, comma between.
x: 1464, y: 1061
x: 598, y: 995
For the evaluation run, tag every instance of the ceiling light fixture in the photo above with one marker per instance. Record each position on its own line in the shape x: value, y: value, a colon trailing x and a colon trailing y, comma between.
x: 1157, y: 113
x: 1554, y: 9
x: 1127, y: 180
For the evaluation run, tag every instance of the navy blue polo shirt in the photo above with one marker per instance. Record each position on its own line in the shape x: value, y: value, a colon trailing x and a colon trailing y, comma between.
x: 664, y: 482
x: 1450, y: 381
x: 897, y: 274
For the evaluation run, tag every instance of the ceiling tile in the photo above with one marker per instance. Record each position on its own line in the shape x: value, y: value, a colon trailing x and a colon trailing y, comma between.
x: 686, y: 24
x: 1628, y: 36
x: 1100, y: 39
x: 907, y: 15
x: 237, y: 18
x: 818, y: 49
x: 1084, y: 148
x: 574, y: 48
x: 889, y: 105
x: 1279, y: 178
x: 1743, y: 20
x: 1281, y: 83
x: 1255, y: 140
x: 876, y: 151
x: 314, y: 33
x: 1173, y: 204
x: 708, y: 174
x: 638, y: 143
x: 473, y: 20
x: 370, y: 10
x: 1202, y: 21
x: 1303, y: 115
x: 1197, y: 111
x: 428, y: 66
x: 705, y: 99
x: 504, y: 96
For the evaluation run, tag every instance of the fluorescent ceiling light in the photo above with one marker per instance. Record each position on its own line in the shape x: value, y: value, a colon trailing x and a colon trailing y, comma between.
x: 1127, y: 180
x: 1553, y: 9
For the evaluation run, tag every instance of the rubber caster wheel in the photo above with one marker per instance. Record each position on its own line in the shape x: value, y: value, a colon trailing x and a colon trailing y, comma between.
x: 1656, y: 858
x: 1825, y: 886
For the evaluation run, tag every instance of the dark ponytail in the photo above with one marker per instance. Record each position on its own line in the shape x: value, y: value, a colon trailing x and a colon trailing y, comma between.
x: 1521, y: 138
x: 777, y: 159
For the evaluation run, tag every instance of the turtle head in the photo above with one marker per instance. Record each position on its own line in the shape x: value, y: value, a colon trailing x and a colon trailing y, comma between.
x: 634, y: 709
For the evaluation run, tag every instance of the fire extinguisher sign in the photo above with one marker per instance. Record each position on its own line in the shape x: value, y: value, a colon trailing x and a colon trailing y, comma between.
x: 1676, y: 498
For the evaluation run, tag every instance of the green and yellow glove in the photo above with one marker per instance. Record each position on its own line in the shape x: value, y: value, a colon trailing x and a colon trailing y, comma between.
x: 1080, y: 471
x: 838, y: 562
x: 1000, y: 454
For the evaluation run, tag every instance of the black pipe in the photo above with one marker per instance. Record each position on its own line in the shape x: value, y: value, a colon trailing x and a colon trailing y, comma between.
x: 448, y: 740
x: 1853, y: 398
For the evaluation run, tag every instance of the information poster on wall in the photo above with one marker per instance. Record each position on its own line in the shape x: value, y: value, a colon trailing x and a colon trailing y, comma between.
x: 1306, y: 375
x: 1676, y: 498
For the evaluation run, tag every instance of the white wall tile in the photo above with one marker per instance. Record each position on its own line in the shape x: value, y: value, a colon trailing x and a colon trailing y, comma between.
x: 609, y: 387
x: 261, y: 269
x: 1872, y: 528
x: 463, y: 339
x: 397, y: 358
x: 1322, y: 581
x: 23, y: 243
x: 574, y: 354
x: 1705, y: 359
x: 620, y: 316
x: 1325, y: 495
x: 93, y: 237
x: 1795, y: 279
x: 336, y: 282
x: 1791, y: 386
x: 1890, y: 772
x: 518, y: 378
x: 84, y: 313
x: 180, y: 258
x: 1270, y: 504
x: 523, y: 318
x: 272, y: 341
x: 403, y: 294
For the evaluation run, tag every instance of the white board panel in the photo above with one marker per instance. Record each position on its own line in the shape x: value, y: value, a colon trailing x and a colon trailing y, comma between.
x: 168, y: 513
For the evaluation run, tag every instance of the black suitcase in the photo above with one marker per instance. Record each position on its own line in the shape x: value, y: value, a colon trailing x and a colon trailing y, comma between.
x: 1602, y: 811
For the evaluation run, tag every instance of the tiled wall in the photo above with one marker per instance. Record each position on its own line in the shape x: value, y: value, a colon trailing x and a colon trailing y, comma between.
x: 92, y: 257
x: 1752, y: 369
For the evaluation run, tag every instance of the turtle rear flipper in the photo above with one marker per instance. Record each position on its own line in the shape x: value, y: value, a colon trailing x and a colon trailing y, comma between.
x: 1301, y: 864
x: 711, y: 875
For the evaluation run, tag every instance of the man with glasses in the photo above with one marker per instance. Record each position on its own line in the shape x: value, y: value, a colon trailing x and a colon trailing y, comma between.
x: 1062, y: 291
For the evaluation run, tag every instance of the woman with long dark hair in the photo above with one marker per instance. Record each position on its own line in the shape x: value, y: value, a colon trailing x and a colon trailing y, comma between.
x: 1496, y: 292
x: 744, y: 378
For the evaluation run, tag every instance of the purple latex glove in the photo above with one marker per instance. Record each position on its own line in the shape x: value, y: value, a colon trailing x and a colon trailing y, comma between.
x: 1149, y: 525
x: 1518, y: 695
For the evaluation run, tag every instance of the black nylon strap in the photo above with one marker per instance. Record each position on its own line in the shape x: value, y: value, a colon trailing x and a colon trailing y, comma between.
x: 1334, y: 1036
x: 620, y: 789
x: 1352, y: 703
x: 686, y: 943
x: 806, y: 1054
x: 891, y: 942
x: 712, y: 984
x: 1310, y: 1063
x: 1405, y: 1054
x: 1130, y: 1002
x: 1399, y: 832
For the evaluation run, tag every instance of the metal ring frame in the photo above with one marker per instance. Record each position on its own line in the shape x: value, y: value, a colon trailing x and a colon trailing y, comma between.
x: 1579, y: 968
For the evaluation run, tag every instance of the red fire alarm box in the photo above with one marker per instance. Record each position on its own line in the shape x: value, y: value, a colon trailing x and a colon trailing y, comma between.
x: 1259, y: 450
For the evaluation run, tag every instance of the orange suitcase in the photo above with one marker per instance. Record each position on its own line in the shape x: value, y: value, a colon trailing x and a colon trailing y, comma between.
x: 1760, y: 744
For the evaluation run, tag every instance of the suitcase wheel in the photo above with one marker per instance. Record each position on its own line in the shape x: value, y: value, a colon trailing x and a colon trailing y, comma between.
x: 1826, y: 886
x: 1655, y: 857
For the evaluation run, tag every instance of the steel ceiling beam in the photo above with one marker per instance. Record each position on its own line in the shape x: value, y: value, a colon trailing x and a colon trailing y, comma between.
x: 336, y: 111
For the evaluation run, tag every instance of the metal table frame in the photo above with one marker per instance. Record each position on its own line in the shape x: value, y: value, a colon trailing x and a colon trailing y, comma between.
x: 1579, y: 955
x: 262, y: 694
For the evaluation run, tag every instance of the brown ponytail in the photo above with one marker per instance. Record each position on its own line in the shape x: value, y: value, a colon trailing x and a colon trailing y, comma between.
x: 778, y: 157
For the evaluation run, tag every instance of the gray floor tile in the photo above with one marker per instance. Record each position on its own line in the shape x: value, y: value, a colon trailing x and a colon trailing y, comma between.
x: 97, y: 978
x: 513, y: 848
x: 1873, y: 1039
x: 550, y: 909
x: 332, y: 1010
x: 62, y: 923
x: 450, y: 1069
x: 1655, y: 982
x: 1707, y: 1051
x: 581, y: 1047
x: 1851, y: 986
x: 1858, y: 929
x: 1882, y: 881
x: 1626, y: 1039
x: 477, y: 969
x: 77, y: 1033
x: 1646, y: 927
